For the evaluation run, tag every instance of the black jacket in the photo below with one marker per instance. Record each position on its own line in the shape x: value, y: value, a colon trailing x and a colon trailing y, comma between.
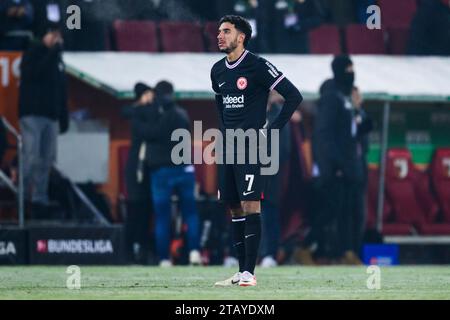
x: 158, y: 135
x: 138, y: 188
x: 430, y: 29
x: 334, y: 136
x: 140, y: 116
x: 43, y: 84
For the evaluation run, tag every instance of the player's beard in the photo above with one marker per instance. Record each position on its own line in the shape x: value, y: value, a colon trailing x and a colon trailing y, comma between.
x: 233, y: 45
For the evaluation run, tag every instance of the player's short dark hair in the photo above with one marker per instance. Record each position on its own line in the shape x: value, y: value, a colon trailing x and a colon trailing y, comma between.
x: 240, y: 24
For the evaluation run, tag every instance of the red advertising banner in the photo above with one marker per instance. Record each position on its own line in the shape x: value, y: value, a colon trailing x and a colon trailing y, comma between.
x: 9, y: 85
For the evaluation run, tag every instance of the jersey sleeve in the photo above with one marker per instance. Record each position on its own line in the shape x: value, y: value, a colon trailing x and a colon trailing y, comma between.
x: 268, y: 75
x: 214, y: 84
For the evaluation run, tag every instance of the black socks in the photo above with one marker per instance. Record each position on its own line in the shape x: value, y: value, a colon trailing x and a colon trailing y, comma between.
x: 252, y: 241
x: 238, y: 233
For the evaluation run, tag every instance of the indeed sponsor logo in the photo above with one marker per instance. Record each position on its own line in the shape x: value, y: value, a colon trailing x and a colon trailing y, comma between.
x: 75, y: 246
x: 7, y: 247
x: 229, y: 99
x: 233, y: 102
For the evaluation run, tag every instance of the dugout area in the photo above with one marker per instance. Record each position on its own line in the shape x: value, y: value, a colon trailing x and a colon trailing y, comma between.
x: 408, y: 97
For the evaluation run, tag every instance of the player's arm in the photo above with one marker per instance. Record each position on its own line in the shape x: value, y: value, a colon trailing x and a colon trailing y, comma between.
x: 293, y: 98
x: 219, y: 101
x: 272, y: 79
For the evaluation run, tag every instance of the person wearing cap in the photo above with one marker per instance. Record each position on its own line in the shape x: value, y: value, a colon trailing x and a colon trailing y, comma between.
x: 168, y: 177
x: 42, y: 113
x: 137, y: 180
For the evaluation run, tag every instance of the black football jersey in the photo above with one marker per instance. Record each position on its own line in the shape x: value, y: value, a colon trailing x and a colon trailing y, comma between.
x: 243, y: 88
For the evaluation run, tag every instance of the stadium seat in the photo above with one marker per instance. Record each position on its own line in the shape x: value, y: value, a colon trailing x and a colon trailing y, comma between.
x: 360, y: 40
x: 400, y: 187
x: 181, y: 37
x: 440, y: 174
x: 425, y: 198
x: 398, y: 13
x: 410, y: 194
x: 139, y: 36
x: 210, y: 31
x: 389, y: 227
x: 397, y: 40
x: 325, y: 40
x: 433, y: 224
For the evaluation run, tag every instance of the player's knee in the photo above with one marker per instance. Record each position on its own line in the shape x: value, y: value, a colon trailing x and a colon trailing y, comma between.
x: 251, y: 206
x: 236, y: 210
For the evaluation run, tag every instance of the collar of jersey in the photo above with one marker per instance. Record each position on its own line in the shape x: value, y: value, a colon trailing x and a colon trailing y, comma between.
x: 235, y: 64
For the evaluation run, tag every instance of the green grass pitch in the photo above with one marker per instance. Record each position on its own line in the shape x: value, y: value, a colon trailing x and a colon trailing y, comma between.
x: 196, y: 283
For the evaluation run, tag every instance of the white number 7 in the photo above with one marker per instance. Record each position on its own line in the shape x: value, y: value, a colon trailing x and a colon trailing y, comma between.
x: 250, y: 178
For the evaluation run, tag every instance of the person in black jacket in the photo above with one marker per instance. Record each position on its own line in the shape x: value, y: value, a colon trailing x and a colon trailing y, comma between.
x: 293, y: 19
x: 137, y: 179
x: 429, y: 34
x: 42, y: 112
x: 335, y: 156
x: 166, y: 177
x: 16, y: 17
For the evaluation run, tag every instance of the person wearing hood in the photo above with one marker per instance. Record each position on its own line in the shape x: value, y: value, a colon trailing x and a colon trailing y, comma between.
x: 335, y: 156
x: 168, y: 177
x: 143, y: 112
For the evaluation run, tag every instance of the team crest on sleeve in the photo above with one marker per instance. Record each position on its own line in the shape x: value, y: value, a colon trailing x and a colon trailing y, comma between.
x: 241, y: 83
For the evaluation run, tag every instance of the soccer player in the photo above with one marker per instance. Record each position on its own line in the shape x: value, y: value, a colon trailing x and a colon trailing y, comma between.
x: 242, y: 82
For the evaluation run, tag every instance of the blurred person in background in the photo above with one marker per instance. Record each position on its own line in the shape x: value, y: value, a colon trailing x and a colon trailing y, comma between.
x: 318, y: 247
x: 340, y: 13
x: 335, y: 155
x: 16, y: 16
x: 364, y: 127
x: 45, y: 12
x: 42, y: 113
x: 167, y: 178
x: 256, y: 13
x: 430, y: 29
x: 270, y: 214
x: 293, y: 19
x: 139, y: 203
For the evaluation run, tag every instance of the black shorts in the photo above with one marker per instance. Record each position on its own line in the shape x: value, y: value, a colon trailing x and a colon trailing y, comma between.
x: 241, y: 182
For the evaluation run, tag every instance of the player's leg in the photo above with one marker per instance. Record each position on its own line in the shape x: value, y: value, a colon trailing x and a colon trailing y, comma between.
x: 161, y: 193
x: 252, y: 210
x: 186, y: 187
x: 228, y: 194
x: 238, y: 233
x: 250, y: 185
